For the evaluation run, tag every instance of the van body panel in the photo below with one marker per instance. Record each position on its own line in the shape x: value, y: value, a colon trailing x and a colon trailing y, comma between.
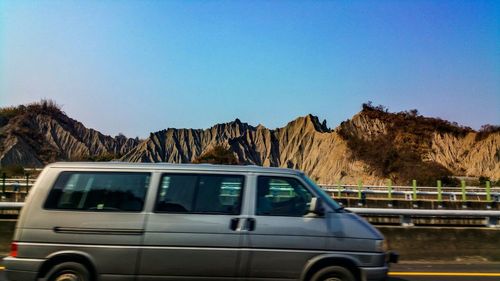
x: 190, y: 245
x: 279, y: 246
x: 32, y: 200
x: 116, y: 277
x: 103, y: 257
x: 15, y: 275
x: 352, y: 226
x: 103, y: 236
x: 374, y: 273
x: 25, y: 264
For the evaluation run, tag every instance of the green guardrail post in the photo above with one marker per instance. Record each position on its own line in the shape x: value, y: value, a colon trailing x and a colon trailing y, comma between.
x: 464, y: 196
x: 440, y: 195
x: 360, y: 186
x: 338, y: 190
x: 389, y: 189
x: 414, y: 186
x: 3, y: 183
x: 488, y: 191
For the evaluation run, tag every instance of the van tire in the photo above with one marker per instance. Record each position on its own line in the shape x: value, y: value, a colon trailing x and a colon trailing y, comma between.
x: 333, y: 273
x: 68, y: 271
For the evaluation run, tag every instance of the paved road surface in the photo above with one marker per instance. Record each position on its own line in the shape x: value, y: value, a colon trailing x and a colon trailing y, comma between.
x: 430, y: 272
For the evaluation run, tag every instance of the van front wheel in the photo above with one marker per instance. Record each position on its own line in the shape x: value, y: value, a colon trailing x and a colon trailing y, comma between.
x: 69, y: 271
x: 333, y: 273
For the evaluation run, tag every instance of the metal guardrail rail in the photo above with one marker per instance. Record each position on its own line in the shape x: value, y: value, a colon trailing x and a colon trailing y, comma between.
x: 404, y: 187
x: 406, y: 216
x: 11, y: 205
x: 492, y: 218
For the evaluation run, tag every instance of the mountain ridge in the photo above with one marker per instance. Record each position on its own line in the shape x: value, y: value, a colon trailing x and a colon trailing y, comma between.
x: 371, y: 146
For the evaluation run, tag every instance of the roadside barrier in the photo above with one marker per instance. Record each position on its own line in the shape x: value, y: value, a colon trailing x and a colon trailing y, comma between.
x: 406, y: 216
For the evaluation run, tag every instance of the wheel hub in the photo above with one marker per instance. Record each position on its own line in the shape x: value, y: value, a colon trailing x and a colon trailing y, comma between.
x: 67, y: 277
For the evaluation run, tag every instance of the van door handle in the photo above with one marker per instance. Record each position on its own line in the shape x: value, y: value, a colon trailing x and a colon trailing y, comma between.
x: 251, y: 224
x: 233, y: 224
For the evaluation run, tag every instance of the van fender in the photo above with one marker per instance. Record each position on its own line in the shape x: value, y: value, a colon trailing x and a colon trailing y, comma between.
x: 317, y: 260
x: 66, y: 255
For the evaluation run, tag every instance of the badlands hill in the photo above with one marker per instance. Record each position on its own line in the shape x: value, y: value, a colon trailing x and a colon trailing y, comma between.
x: 40, y: 133
x: 372, y: 146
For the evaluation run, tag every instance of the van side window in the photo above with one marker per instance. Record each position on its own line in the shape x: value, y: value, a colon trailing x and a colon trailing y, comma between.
x: 99, y: 191
x: 281, y: 196
x: 200, y: 194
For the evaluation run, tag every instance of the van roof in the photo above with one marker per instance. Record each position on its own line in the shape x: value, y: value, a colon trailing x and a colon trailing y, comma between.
x: 172, y: 166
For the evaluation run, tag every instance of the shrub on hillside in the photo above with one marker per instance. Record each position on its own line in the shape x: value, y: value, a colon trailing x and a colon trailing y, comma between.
x: 44, y: 106
x: 217, y: 155
x: 103, y: 157
x: 486, y: 130
x: 411, y: 121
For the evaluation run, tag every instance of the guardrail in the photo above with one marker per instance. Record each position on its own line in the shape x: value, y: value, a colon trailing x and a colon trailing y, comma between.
x: 491, y: 218
x: 20, y: 185
x: 406, y: 216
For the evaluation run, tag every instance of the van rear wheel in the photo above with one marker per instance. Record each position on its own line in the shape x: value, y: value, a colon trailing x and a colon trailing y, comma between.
x: 333, y: 273
x: 69, y: 271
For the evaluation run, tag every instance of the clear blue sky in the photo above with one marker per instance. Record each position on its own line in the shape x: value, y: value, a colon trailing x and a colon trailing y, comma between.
x: 141, y: 66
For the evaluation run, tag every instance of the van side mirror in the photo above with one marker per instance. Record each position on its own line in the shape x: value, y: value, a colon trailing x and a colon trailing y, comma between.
x: 316, y: 206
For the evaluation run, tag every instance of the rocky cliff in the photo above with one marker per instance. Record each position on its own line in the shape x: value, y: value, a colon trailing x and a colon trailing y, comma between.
x: 372, y: 146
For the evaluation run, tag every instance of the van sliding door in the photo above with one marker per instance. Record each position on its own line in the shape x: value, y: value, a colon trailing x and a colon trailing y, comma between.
x: 194, y: 229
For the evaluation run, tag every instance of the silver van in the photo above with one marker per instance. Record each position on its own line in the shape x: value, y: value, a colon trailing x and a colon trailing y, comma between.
x: 145, y: 222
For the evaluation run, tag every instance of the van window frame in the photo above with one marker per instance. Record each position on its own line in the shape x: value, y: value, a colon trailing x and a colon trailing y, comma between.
x: 222, y: 174
x: 280, y: 176
x: 144, y: 199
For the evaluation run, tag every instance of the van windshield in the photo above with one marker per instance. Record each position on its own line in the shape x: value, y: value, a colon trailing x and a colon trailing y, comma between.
x: 327, y: 198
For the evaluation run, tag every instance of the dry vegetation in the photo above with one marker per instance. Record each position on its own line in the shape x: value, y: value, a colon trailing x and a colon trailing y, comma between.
x: 397, y: 154
x: 103, y: 157
x: 486, y: 130
x: 217, y: 155
x: 44, y: 106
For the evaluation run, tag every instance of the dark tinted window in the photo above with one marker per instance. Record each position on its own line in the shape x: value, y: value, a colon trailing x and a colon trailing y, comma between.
x: 280, y: 196
x: 205, y: 194
x: 99, y: 191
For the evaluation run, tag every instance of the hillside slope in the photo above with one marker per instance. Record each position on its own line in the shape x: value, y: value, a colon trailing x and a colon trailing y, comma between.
x: 41, y: 133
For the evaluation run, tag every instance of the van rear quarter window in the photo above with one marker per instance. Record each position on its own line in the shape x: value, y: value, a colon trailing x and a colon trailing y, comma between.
x: 99, y: 191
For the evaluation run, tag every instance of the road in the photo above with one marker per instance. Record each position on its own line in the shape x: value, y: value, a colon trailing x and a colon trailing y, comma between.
x: 429, y: 272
